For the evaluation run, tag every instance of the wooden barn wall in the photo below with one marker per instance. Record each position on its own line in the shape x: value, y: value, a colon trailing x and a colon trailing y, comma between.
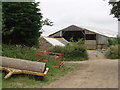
x: 56, y: 34
x: 44, y: 44
x: 89, y: 32
x: 90, y: 44
x: 101, y: 39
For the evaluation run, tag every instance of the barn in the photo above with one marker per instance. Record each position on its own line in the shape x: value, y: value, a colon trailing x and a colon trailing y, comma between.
x: 93, y: 39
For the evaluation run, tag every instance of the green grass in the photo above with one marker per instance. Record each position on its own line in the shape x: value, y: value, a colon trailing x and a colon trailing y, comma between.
x: 15, y: 51
x: 0, y: 81
x: 28, y: 81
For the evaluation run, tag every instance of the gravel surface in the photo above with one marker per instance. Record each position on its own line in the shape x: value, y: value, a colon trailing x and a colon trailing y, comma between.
x: 94, y: 73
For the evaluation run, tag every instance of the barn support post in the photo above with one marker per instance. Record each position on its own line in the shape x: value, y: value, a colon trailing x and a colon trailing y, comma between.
x: 96, y: 41
x: 84, y: 35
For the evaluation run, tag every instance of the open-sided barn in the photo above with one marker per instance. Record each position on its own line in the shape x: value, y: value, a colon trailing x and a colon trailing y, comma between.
x: 93, y: 39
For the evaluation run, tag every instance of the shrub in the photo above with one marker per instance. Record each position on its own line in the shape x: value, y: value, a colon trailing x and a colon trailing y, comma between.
x: 113, y: 41
x: 55, y: 49
x: 113, y: 52
x: 76, y: 51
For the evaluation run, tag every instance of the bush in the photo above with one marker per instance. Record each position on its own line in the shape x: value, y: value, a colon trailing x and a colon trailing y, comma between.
x: 113, y: 41
x: 76, y: 51
x: 55, y: 49
x: 113, y: 52
x: 113, y: 49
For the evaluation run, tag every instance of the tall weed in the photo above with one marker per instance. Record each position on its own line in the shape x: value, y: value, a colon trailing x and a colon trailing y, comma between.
x: 17, y: 51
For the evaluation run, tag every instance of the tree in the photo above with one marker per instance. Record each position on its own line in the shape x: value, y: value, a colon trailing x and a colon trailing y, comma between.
x: 21, y: 23
x: 0, y: 17
x: 115, y: 9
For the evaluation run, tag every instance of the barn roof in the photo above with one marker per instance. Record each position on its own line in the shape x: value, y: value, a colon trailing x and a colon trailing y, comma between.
x: 97, y: 31
x: 56, y: 41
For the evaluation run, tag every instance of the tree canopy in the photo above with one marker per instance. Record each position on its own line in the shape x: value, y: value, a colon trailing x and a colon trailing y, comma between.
x: 0, y: 16
x: 21, y: 23
x: 115, y: 9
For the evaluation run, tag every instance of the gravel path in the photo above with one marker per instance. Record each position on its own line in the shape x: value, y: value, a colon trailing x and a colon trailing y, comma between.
x: 93, y: 74
x: 97, y: 73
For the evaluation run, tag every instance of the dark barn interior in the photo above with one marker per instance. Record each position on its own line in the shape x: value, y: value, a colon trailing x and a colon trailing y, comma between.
x: 76, y: 35
x: 90, y: 36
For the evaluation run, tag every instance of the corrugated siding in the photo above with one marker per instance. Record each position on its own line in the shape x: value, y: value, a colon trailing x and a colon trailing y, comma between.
x: 56, y: 34
x: 90, y: 44
x: 89, y: 32
x: 101, y: 39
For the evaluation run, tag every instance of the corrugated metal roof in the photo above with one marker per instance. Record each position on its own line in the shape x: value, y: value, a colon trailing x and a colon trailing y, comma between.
x: 95, y: 30
x: 104, y: 32
x: 55, y: 41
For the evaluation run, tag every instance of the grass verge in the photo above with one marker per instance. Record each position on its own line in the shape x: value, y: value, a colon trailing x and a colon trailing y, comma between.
x: 17, y: 51
x: 27, y: 81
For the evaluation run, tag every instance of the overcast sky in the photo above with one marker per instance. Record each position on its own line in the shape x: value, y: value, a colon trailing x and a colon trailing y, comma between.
x: 83, y: 13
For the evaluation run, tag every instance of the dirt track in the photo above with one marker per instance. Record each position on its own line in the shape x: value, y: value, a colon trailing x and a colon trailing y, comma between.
x: 94, y: 73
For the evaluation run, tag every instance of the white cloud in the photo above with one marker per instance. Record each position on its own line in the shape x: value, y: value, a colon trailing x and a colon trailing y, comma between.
x: 89, y: 13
